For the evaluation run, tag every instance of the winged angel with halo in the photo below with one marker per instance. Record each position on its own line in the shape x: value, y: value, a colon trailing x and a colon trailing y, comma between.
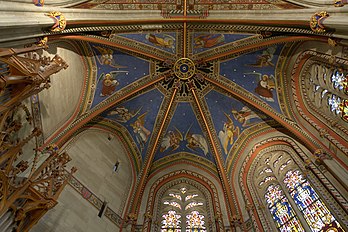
x: 228, y: 133
x: 265, y: 86
x: 109, y: 82
x: 107, y: 57
x: 196, y: 141
x: 141, y: 133
x: 171, y: 140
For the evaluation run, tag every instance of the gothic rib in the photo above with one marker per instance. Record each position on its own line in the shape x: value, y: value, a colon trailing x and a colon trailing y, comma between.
x: 267, y: 110
x: 150, y: 155
x: 128, y: 91
x: 152, y: 53
x: 234, y: 48
x: 222, y: 172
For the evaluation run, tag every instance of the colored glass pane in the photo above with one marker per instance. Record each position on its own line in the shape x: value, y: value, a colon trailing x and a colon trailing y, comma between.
x: 193, y: 204
x: 273, y: 194
x: 171, y: 221
x: 307, y: 200
x: 195, y: 222
x: 337, y: 79
x: 334, y: 103
x: 177, y: 196
x: 293, y: 179
x: 281, y: 210
x: 304, y: 195
x: 189, y: 197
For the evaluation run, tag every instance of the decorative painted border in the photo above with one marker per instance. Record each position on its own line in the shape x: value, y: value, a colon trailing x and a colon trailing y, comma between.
x: 95, y: 201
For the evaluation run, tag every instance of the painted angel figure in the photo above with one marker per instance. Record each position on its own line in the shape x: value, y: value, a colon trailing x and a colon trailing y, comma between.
x: 141, y: 133
x: 208, y: 40
x: 171, y: 140
x: 244, y: 115
x: 109, y: 82
x: 228, y: 133
x: 107, y: 57
x: 266, y: 58
x: 167, y: 41
x: 123, y: 114
x: 196, y: 141
x: 265, y: 86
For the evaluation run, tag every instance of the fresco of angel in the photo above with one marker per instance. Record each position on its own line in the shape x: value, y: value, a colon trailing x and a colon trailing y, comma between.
x: 265, y: 59
x: 228, y: 133
x: 109, y: 82
x: 196, y: 141
x: 171, y: 140
x: 167, y: 41
x: 244, y: 116
x: 107, y: 57
x: 122, y: 114
x: 265, y: 86
x: 208, y: 40
x: 141, y: 133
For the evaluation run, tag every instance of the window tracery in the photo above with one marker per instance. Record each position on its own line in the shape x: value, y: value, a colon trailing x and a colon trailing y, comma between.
x: 307, y: 200
x: 327, y: 88
x: 292, y: 202
x: 171, y: 222
x: 195, y: 222
x: 281, y: 210
x: 183, y: 210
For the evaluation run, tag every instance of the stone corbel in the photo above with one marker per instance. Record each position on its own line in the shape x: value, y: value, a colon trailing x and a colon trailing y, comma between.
x: 316, y: 21
x: 59, y: 21
x: 340, y: 3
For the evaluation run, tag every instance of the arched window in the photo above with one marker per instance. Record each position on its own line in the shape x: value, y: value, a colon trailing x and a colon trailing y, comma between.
x: 195, y: 222
x: 317, y: 215
x: 183, y: 209
x: 282, y: 212
x: 171, y: 222
x: 291, y: 201
x: 328, y: 88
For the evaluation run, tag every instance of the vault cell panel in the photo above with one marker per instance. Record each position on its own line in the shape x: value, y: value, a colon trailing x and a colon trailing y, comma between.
x: 255, y: 72
x: 115, y: 70
x: 164, y: 41
x: 184, y: 134
x: 138, y: 116
x: 231, y: 117
x: 205, y: 41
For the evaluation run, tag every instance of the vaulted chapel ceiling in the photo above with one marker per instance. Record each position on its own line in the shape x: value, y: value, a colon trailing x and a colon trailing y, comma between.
x: 166, y: 94
x: 195, y: 92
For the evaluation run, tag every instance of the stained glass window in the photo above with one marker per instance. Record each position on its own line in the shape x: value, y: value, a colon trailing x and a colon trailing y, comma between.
x: 268, y: 178
x: 189, y: 197
x: 281, y: 210
x: 173, y: 203
x: 193, y: 204
x: 338, y: 79
x: 171, y: 222
x: 330, y: 87
x: 177, y: 196
x: 334, y: 103
x: 284, y: 165
x: 307, y: 200
x: 195, y: 222
x: 189, y: 211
